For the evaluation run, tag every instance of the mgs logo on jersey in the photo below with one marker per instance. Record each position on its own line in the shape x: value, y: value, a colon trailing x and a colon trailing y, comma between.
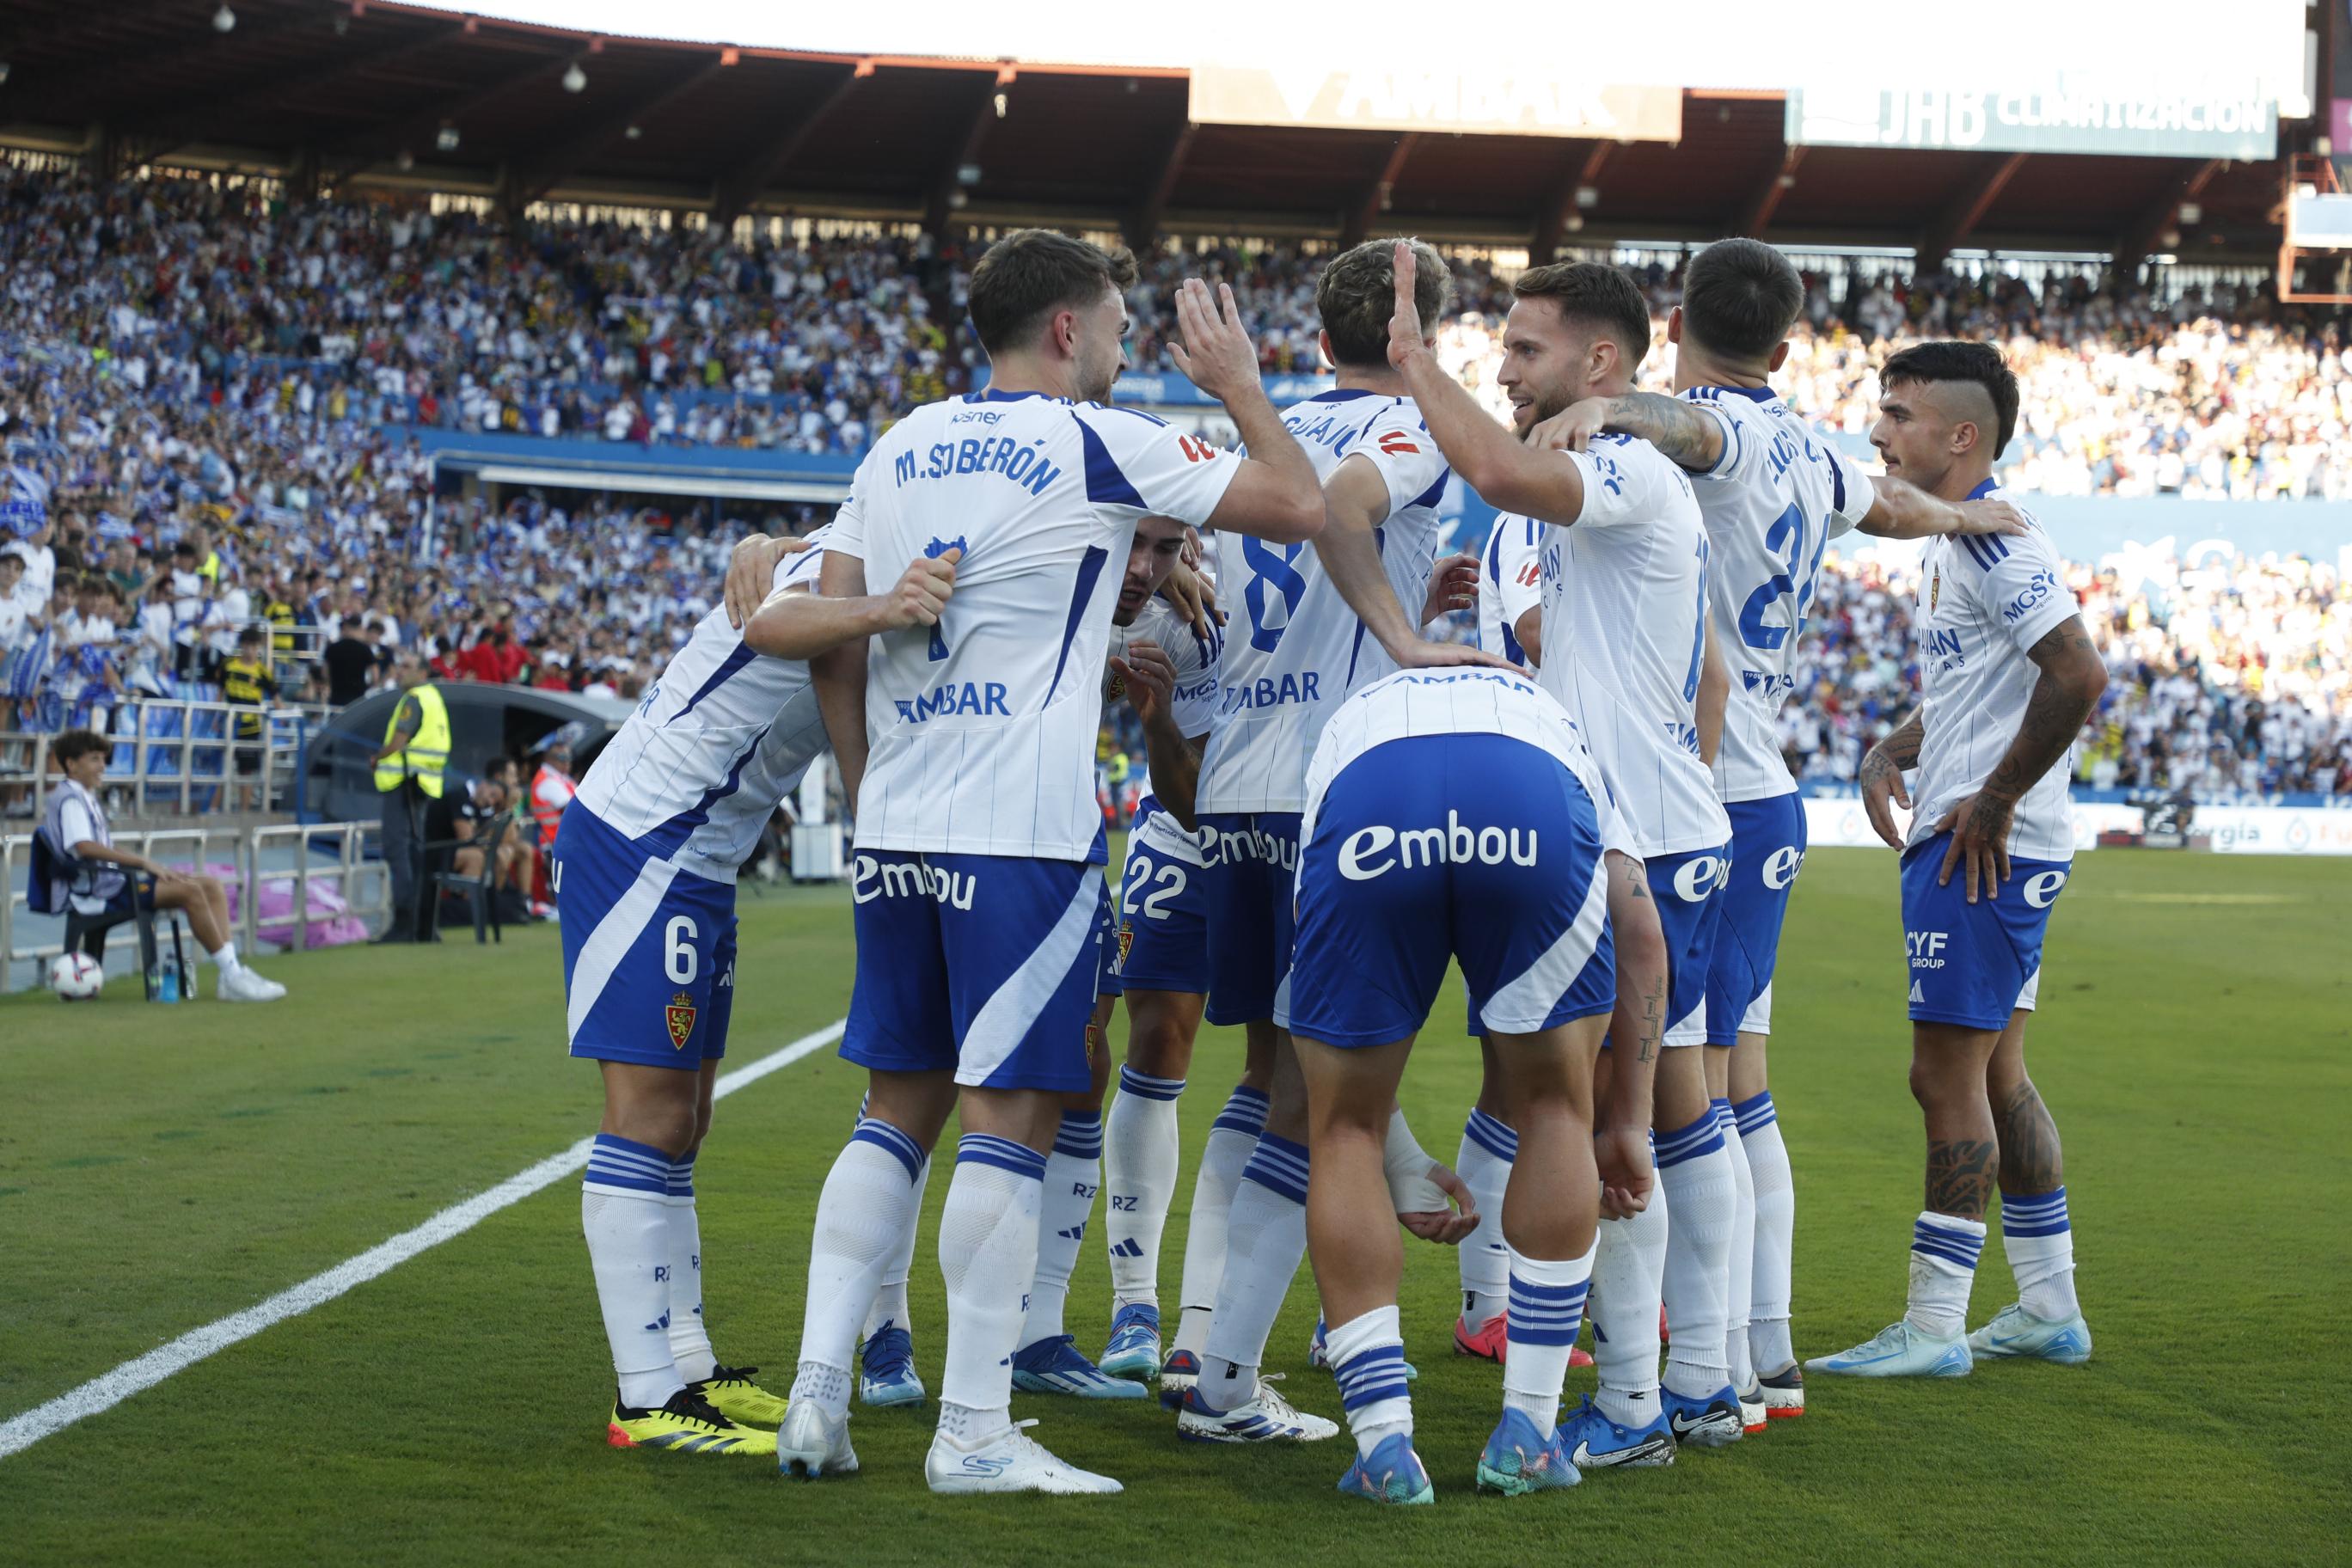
x: 679, y: 1017
x: 2040, y: 586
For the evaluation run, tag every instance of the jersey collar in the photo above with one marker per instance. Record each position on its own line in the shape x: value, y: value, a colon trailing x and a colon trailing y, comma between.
x: 1984, y: 490
x: 1761, y: 394
x: 990, y: 394
x: 1343, y: 394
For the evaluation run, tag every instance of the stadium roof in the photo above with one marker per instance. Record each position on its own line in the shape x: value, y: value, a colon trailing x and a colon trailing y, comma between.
x: 362, y: 93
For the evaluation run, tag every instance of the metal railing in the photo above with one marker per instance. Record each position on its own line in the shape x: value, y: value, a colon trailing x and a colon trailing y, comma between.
x: 363, y: 885
x: 176, y: 755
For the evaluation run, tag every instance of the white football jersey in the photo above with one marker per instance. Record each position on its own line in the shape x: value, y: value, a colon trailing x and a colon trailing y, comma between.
x: 1983, y: 602
x: 1193, y: 707
x: 1457, y: 701
x: 1624, y: 628
x: 983, y: 727
x: 1510, y: 584
x: 1777, y: 495
x: 714, y: 744
x: 1294, y: 649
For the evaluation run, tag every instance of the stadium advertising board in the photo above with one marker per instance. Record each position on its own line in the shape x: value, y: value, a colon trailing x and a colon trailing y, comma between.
x: 2216, y: 124
x: 1494, y: 102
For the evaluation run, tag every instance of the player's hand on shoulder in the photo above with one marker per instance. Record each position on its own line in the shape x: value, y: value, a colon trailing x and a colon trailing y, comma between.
x: 1989, y: 515
x: 751, y: 571
x: 1454, y: 586
x: 1978, y: 824
x: 922, y: 591
x: 1445, y: 1226
x: 1574, y: 427
x: 1211, y: 348
x: 1423, y: 653
x: 1882, y: 781
x: 1150, y: 676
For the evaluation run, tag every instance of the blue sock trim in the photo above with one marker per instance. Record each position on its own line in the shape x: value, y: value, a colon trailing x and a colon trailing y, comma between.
x: 682, y: 1177
x: 614, y: 1161
x: 1754, y: 1114
x: 1244, y: 1111
x: 1278, y: 1165
x: 1545, y: 1314
x: 1143, y: 1085
x: 1372, y: 1374
x: 884, y: 1136
x: 982, y: 1149
x: 1952, y: 1246
x: 1701, y: 1137
x: 2042, y: 1214
x: 1492, y: 1136
x: 1723, y: 1115
x: 1080, y: 1137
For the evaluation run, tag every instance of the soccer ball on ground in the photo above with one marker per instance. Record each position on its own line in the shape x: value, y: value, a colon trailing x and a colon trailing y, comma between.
x: 76, y: 976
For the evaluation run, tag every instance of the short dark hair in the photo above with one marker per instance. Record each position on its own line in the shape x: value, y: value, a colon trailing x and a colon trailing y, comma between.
x: 75, y: 744
x: 1031, y: 272
x: 250, y: 635
x: 1952, y: 360
x: 1741, y: 296
x: 1596, y: 292
x: 1357, y: 295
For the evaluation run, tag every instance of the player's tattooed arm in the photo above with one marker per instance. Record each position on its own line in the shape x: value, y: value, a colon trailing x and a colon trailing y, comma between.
x: 1959, y: 1176
x: 838, y: 676
x: 1900, y: 509
x: 2073, y: 678
x: 2031, y: 1160
x: 1686, y: 435
x: 1882, y: 777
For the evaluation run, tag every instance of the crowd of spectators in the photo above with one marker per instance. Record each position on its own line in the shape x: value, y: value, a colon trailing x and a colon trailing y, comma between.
x: 204, y: 394
x: 2228, y: 676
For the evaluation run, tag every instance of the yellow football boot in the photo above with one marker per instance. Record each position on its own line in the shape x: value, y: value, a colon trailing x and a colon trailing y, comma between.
x: 687, y: 1424
x: 731, y: 1393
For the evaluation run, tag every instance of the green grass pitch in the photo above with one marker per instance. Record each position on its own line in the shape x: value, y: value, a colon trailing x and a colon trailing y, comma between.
x: 161, y: 1168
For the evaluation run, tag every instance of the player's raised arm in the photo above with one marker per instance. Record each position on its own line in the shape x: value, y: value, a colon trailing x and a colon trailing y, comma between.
x: 1274, y: 495
x: 1508, y: 476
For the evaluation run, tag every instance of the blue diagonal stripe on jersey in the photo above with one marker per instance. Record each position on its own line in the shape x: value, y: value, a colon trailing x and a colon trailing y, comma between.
x: 1105, y: 481
x: 667, y: 839
x: 728, y: 669
x: 1089, y: 569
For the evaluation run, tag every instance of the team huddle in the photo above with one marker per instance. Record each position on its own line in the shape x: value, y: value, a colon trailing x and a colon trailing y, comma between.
x: 1588, y: 813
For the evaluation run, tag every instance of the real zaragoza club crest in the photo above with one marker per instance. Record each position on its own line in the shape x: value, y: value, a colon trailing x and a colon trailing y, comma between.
x: 1935, y: 589
x: 680, y: 1015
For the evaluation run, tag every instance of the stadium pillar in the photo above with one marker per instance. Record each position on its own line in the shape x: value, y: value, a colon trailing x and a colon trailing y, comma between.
x: 1367, y: 210
x: 302, y: 176
x: 1143, y: 223
x: 2146, y: 234
x: 1583, y: 165
x: 1760, y: 206
x: 102, y: 151
x: 1961, y: 215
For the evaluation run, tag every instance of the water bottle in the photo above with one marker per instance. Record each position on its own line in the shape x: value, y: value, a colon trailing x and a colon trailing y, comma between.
x: 169, y: 991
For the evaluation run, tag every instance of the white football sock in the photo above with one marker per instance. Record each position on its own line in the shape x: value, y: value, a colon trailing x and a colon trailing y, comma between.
x: 890, y: 1298
x: 1072, y: 1175
x: 1547, y: 1308
x: 1697, y: 1176
x: 1483, y: 1164
x: 1628, y: 1264
x: 224, y: 957
x: 2039, y: 1240
x: 1232, y: 1138
x: 988, y: 1254
x: 865, y: 1206
x: 625, y: 1213
x: 1140, y: 1149
x: 1367, y: 1357
x: 1264, y: 1239
x: 1944, y: 1253
x: 1776, y: 1230
x: 689, y: 1342
x: 1739, y: 1273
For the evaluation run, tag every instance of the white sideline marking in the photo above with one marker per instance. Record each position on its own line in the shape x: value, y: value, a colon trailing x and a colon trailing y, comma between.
x: 21, y: 1432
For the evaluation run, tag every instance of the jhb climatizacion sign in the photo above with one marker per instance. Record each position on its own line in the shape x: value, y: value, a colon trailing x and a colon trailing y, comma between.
x: 2061, y: 119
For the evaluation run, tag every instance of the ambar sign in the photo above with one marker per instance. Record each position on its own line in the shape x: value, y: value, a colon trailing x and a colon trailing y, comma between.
x: 1496, y: 103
